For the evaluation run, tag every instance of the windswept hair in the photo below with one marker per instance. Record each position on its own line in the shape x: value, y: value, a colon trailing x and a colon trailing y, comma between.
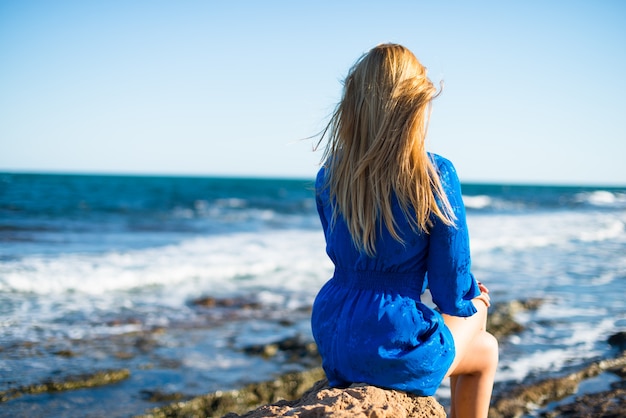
x: 375, y: 148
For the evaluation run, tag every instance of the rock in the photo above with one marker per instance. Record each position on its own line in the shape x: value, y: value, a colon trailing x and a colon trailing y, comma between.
x: 297, y: 395
x: 231, y: 303
x: 160, y: 396
x: 297, y: 349
x: 521, y: 400
x: 606, y: 404
x: 286, y: 387
x: 101, y: 378
x: 501, y: 320
x: 64, y: 353
x: 356, y: 401
x: 618, y: 340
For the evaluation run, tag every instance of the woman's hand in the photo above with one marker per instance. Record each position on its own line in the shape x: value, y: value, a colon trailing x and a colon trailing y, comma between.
x: 482, y: 287
x: 484, y: 294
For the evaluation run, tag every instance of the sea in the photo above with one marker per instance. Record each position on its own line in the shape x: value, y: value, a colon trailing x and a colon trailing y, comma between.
x: 89, y: 262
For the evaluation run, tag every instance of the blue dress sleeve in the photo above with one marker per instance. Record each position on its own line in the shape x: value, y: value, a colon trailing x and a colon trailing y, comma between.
x: 320, y: 188
x: 450, y: 280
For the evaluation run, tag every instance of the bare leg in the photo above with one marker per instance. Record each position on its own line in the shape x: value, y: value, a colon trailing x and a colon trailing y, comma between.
x: 474, y: 367
x: 453, y: 382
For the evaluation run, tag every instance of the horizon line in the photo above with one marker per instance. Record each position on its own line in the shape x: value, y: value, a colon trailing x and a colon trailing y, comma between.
x: 528, y: 183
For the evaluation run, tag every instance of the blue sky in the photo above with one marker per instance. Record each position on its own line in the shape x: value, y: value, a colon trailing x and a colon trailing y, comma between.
x: 534, y: 91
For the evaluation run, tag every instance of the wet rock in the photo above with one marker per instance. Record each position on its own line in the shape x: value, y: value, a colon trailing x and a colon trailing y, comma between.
x: 124, y: 355
x: 287, y: 387
x: 297, y: 349
x: 167, y: 363
x: 618, y: 340
x: 117, y: 322
x: 263, y: 350
x: 524, y: 398
x: 71, y: 383
x: 619, y: 370
x: 501, y: 320
x: 65, y: 353
x: 145, y: 343
x: 356, y: 401
x: 608, y: 404
x: 233, y: 303
x: 160, y: 396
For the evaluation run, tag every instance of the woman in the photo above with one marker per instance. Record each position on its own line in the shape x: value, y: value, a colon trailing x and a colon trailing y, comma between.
x: 394, y: 223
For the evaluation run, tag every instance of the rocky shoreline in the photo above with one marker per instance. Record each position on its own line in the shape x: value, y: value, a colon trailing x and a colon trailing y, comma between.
x: 367, y: 401
x: 305, y: 393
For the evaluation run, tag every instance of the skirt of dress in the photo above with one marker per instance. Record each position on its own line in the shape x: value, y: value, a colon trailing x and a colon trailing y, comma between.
x: 380, y: 337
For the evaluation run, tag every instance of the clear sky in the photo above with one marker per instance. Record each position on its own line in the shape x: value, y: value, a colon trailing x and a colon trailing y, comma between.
x: 534, y: 91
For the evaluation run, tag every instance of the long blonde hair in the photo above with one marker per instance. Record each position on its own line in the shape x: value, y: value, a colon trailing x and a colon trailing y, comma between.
x: 376, y: 147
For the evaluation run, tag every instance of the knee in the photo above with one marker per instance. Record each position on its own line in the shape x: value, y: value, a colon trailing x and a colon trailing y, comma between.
x: 491, y: 349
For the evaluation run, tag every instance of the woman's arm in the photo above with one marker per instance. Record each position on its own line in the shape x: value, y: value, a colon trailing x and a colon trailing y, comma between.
x: 450, y: 280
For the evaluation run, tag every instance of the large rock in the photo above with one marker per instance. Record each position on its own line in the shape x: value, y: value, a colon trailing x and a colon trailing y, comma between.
x: 356, y: 401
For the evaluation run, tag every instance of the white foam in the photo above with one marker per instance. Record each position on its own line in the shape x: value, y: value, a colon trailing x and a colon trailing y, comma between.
x: 539, y: 361
x: 74, y: 295
x: 603, y: 198
x: 578, y: 345
x: 611, y: 229
x: 603, y: 279
x: 477, y: 202
x: 230, y: 261
x: 516, y: 232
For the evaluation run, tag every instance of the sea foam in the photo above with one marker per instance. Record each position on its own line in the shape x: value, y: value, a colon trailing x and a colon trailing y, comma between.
x: 230, y: 260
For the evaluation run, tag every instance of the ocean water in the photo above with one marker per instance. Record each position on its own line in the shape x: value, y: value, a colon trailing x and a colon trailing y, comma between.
x: 88, y: 260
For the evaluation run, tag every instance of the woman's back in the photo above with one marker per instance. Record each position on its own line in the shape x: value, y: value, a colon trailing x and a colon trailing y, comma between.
x: 368, y: 320
x: 394, y: 223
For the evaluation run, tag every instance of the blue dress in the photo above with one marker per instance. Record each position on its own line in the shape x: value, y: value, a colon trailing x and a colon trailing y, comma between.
x: 368, y: 321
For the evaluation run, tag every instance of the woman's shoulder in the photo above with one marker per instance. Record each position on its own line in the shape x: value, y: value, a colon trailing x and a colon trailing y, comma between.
x: 446, y: 172
x: 441, y: 163
x: 321, y: 184
x: 320, y: 179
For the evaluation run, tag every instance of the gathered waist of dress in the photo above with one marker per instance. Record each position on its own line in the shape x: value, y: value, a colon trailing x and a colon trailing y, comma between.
x: 379, y: 280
